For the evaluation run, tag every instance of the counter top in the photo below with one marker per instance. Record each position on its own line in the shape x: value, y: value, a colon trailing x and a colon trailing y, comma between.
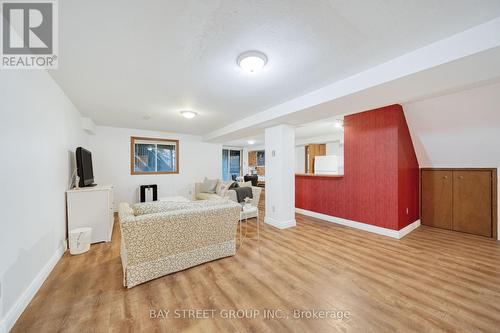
x: 318, y: 175
x: 91, y: 188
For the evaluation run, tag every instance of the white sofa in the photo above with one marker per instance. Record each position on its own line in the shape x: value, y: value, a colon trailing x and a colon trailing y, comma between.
x: 231, y: 194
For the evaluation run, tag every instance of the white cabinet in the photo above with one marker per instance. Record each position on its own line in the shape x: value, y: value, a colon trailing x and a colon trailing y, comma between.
x: 92, y: 207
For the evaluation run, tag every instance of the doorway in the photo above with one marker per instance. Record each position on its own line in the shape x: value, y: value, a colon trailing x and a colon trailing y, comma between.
x: 231, y: 164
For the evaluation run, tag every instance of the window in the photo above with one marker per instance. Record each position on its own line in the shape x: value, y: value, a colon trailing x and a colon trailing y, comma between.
x: 261, y: 158
x: 231, y: 164
x: 153, y: 156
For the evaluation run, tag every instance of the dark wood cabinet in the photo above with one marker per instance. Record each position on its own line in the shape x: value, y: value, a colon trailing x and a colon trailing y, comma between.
x: 460, y: 199
x: 437, y: 198
x: 472, y: 202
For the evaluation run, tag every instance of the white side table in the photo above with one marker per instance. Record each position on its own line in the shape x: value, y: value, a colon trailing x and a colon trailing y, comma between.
x: 92, y: 207
x: 246, y: 211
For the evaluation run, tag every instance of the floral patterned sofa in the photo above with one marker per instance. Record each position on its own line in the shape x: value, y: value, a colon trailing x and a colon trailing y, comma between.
x: 160, y: 238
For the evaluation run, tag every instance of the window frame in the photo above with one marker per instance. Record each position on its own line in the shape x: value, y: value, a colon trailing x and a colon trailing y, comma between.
x: 133, y: 140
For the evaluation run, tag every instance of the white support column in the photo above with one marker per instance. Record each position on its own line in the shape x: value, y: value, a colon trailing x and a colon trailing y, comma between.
x: 280, y: 176
x: 244, y: 163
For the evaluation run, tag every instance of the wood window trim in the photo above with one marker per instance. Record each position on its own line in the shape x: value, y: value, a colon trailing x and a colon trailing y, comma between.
x: 133, y: 139
x: 494, y: 193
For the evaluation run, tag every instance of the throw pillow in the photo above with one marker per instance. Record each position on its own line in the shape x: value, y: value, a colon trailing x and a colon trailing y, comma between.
x: 245, y: 184
x: 233, y: 185
x: 224, y: 187
x: 209, y: 185
x: 217, y: 188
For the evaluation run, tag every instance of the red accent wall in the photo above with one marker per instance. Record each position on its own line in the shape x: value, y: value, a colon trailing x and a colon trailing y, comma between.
x: 408, y: 176
x: 381, y: 177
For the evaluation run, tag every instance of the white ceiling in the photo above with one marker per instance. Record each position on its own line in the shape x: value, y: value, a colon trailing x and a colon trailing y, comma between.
x: 123, y: 60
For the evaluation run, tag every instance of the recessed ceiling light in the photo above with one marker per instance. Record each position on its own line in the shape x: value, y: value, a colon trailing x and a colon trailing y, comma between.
x: 189, y: 114
x: 252, y: 61
x: 251, y: 142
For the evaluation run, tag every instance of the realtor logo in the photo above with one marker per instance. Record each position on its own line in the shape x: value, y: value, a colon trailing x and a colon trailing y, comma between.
x: 29, y: 34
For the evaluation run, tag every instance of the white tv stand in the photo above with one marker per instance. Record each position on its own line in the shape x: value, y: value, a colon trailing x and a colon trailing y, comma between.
x: 92, y: 207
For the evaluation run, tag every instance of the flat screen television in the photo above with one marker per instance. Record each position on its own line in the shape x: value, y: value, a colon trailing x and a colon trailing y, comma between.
x: 84, y: 167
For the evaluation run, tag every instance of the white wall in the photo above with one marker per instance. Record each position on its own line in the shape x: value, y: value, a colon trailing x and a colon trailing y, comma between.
x: 333, y: 148
x: 40, y: 129
x: 110, y: 148
x: 280, y: 178
x: 300, y: 159
x: 337, y: 148
x: 457, y: 130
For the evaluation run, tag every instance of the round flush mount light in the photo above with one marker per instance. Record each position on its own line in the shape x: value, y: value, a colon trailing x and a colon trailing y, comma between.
x: 189, y: 114
x: 251, y: 142
x: 252, y: 61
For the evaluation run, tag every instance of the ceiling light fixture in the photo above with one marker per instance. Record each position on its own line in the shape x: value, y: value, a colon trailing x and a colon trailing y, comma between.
x: 251, y: 142
x: 252, y: 61
x: 339, y: 123
x: 189, y: 114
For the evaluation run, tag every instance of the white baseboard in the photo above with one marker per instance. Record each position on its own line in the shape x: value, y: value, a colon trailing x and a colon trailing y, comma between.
x: 409, y: 228
x: 398, y: 234
x: 280, y: 224
x: 17, y: 309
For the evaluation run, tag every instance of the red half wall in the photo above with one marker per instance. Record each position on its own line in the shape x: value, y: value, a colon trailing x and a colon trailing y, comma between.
x: 408, y: 176
x: 380, y: 173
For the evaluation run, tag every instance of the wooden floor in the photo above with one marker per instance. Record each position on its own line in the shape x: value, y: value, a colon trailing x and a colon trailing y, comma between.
x: 432, y: 280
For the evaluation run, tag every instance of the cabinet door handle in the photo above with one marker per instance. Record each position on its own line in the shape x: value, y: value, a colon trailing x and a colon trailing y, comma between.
x: 445, y: 177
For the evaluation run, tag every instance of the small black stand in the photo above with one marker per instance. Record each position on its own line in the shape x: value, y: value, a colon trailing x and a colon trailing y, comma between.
x: 143, y: 192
